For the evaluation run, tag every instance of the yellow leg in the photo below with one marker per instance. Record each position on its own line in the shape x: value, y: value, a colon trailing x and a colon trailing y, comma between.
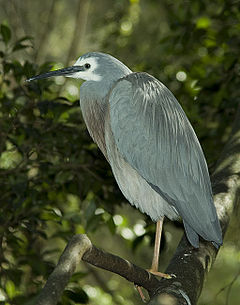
x: 155, y: 261
x: 157, y: 243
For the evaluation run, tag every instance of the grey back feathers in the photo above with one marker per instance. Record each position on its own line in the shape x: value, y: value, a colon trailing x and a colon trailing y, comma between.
x: 154, y: 136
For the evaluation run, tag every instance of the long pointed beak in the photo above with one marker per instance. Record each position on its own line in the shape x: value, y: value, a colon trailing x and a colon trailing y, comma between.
x: 61, y: 72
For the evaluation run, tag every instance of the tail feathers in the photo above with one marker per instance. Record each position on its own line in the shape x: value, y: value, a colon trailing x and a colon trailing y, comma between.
x: 216, y: 245
x: 193, y: 236
x: 218, y: 240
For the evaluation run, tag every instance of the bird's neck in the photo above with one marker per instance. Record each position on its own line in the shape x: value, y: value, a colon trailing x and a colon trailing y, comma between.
x: 95, y: 90
x: 93, y: 105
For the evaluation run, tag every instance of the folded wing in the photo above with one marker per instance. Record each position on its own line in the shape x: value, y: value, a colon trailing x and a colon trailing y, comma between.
x: 154, y: 136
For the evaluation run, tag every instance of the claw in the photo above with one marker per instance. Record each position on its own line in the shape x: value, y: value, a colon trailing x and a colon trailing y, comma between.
x: 161, y: 274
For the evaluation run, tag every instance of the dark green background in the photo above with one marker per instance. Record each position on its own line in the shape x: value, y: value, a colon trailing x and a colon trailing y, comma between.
x: 54, y: 182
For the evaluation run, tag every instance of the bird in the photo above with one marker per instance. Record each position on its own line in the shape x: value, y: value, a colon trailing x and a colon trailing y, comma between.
x: 146, y: 137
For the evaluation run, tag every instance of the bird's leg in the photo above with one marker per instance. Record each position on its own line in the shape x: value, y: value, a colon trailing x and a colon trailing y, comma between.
x: 155, y: 261
x: 156, y: 252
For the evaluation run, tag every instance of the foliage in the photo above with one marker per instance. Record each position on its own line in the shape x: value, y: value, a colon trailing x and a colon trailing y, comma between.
x: 52, y: 177
x: 54, y: 181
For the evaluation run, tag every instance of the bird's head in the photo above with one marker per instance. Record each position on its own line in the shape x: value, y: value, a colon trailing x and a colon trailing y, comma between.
x: 93, y: 66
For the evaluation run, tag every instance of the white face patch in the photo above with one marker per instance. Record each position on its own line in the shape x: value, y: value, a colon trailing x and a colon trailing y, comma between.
x: 88, y: 74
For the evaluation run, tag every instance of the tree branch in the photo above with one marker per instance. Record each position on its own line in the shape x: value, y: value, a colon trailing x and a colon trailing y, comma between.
x: 188, y: 264
x: 118, y: 265
x: 80, y: 248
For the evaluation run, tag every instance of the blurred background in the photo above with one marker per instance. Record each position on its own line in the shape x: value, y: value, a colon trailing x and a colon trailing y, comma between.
x: 54, y: 180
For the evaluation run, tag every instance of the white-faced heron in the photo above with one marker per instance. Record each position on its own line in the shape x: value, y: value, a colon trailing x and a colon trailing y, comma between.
x: 149, y: 143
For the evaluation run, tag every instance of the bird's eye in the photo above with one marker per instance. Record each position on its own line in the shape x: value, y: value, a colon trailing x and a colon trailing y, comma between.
x: 87, y: 66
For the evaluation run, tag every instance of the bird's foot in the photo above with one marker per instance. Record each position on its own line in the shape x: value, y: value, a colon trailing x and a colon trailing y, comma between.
x: 142, y: 296
x: 157, y: 273
x: 161, y: 274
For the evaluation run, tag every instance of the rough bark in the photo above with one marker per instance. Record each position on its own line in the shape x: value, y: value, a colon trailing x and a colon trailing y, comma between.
x: 189, y: 265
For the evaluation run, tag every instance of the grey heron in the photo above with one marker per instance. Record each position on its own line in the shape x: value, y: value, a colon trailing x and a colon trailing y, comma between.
x: 149, y: 143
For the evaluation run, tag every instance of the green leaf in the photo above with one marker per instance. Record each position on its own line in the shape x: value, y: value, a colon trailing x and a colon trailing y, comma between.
x: 90, y: 210
x: 18, y: 44
x: 20, y: 47
x: 203, y: 23
x: 6, y: 33
x: 10, y: 289
x: 111, y: 225
x: 78, y: 276
x: 24, y: 39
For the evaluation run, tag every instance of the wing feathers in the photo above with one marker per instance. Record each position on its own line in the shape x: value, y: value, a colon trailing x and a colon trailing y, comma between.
x: 154, y: 136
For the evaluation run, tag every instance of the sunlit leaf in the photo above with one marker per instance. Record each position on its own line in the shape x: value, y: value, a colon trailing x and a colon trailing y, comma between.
x: 203, y: 22
x: 10, y: 289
